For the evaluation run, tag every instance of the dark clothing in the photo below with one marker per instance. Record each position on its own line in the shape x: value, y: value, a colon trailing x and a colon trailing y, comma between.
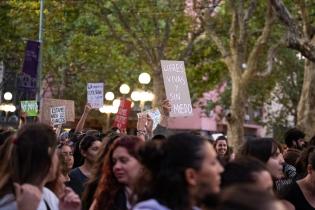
x: 294, y: 194
x: 120, y: 202
x: 161, y: 130
x: 77, y: 181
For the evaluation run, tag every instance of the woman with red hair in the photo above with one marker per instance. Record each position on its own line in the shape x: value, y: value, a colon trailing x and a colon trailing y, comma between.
x: 120, y: 171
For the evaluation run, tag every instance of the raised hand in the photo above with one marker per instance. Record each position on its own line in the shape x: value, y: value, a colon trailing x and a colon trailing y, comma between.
x: 87, y: 108
x: 166, y: 107
x: 69, y: 200
x: 149, y: 124
x: 27, y: 196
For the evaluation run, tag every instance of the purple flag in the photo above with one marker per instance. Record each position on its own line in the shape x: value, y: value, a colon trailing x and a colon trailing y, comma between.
x: 27, y: 78
x: 31, y: 58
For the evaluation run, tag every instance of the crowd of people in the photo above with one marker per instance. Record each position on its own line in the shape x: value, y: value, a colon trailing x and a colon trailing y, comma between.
x: 42, y: 168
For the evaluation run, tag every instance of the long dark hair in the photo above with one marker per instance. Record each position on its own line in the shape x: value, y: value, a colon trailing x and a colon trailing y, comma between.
x: 165, y: 164
x: 303, y: 161
x: 260, y: 148
x: 32, y: 154
x: 91, y: 185
x: 109, y: 187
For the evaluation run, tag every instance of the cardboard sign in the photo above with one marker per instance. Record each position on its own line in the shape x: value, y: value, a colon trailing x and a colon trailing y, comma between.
x: 176, y: 88
x: 121, y: 119
x: 47, y: 103
x: 95, y: 94
x: 58, y: 115
x: 30, y: 107
x: 154, y: 114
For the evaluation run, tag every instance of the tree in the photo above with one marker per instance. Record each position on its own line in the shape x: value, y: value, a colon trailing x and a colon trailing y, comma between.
x: 300, y: 36
x: 156, y: 30
x: 245, y: 52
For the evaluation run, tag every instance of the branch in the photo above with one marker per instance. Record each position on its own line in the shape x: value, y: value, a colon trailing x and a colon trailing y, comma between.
x: 294, y: 36
x: 166, y: 35
x: 219, y: 43
x: 271, y: 57
x: 139, y: 25
x: 127, y: 28
x: 244, y: 23
x: 253, y: 57
x: 186, y: 53
x: 283, y: 14
x: 233, y: 29
x: 250, y: 10
x: 305, y: 18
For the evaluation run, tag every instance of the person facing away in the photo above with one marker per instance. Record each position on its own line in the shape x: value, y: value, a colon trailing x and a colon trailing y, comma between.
x: 247, y: 197
x: 33, y: 163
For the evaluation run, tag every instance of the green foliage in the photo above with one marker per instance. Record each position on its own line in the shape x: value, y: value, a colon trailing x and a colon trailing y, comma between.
x: 113, y: 41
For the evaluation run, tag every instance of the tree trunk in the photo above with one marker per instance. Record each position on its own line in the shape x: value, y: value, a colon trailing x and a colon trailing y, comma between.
x: 158, y: 85
x: 306, y: 107
x: 235, y: 118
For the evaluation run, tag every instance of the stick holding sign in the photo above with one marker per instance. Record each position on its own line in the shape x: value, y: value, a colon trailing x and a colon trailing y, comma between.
x: 176, y: 88
x: 95, y: 94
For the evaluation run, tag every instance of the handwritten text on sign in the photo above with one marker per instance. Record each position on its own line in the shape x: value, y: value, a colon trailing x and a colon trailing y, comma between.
x: 30, y: 107
x: 58, y: 115
x: 176, y: 88
x: 95, y: 94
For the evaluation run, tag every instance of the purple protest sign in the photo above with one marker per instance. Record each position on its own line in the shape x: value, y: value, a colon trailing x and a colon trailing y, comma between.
x: 31, y: 58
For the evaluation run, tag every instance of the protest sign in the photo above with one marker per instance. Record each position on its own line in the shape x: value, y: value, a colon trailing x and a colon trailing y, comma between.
x: 121, y: 118
x: 58, y: 115
x: 154, y: 114
x: 95, y: 94
x: 47, y: 103
x: 30, y: 107
x: 176, y: 88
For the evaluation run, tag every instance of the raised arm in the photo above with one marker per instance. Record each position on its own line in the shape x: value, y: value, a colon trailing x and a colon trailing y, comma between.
x: 81, y: 122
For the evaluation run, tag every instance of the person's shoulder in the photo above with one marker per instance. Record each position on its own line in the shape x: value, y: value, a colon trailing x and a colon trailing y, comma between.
x: 150, y: 204
x: 75, y: 172
x: 7, y: 202
x: 289, y: 191
x: 51, y: 199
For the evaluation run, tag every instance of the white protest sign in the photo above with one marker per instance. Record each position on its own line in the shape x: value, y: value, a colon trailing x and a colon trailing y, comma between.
x: 176, y: 88
x: 95, y: 94
x: 58, y: 115
x: 154, y: 114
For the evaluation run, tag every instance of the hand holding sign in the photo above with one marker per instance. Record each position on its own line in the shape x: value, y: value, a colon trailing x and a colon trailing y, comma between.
x: 166, y: 107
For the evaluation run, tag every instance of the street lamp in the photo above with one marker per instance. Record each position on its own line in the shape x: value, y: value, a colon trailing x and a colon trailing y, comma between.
x: 142, y: 96
x: 109, y: 96
x: 7, y: 96
x: 116, y: 102
x: 144, y: 78
x: 124, y: 89
x: 7, y: 107
x: 108, y: 109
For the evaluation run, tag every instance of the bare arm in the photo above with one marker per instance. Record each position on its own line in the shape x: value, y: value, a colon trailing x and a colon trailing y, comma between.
x: 81, y: 122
